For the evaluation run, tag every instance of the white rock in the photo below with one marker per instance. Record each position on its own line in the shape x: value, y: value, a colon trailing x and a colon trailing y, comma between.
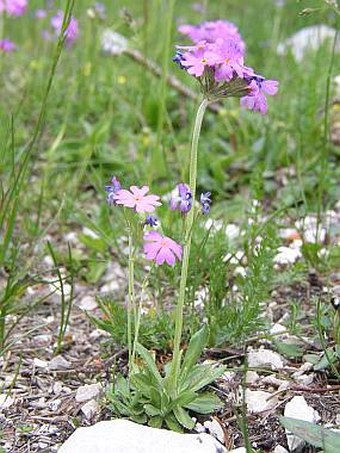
x: 287, y: 255
x: 6, y: 401
x: 298, y: 408
x: 59, y: 363
x: 54, y: 405
x: 265, y: 358
x: 110, y: 287
x: 278, y: 329
x: 232, y: 231
x: 238, y: 450
x: 90, y: 233
x: 88, y: 303
x: 87, y: 392
x: 90, y: 409
x: 252, y: 377
x: 273, y: 380
x: 280, y: 449
x: 259, y: 401
x: 40, y: 363
x: 122, y: 436
x: 307, y: 39
x: 215, y: 429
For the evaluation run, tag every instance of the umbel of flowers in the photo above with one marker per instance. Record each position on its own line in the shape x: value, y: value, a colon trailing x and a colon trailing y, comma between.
x: 216, y: 59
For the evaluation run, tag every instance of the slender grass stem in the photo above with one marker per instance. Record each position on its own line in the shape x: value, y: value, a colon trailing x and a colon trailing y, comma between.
x: 189, y: 221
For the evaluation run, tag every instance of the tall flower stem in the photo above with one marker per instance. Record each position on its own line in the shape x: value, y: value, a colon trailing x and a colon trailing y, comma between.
x: 131, y: 299
x: 189, y: 221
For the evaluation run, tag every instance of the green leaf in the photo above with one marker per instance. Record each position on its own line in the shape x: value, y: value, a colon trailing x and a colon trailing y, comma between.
x: 195, y: 348
x: 205, y: 403
x: 142, y: 419
x: 183, y: 417
x: 316, y: 435
x: 202, y: 375
x: 151, y: 410
x: 289, y: 349
x: 150, y: 363
x: 141, y: 382
x: 326, y: 360
x: 185, y: 398
x: 173, y: 424
x: 155, y: 422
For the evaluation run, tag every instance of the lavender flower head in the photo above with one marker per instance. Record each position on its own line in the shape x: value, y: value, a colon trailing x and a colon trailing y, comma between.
x: 72, y: 31
x: 182, y: 199
x: 7, y: 46
x: 216, y: 59
x: 205, y: 201
x: 111, y: 190
x: 13, y: 8
x: 151, y: 221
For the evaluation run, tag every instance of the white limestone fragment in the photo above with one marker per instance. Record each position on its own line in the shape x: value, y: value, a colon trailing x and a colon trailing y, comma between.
x: 124, y: 436
x: 298, y: 408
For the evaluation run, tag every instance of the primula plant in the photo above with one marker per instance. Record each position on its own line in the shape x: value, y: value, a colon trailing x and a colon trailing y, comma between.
x: 216, y: 60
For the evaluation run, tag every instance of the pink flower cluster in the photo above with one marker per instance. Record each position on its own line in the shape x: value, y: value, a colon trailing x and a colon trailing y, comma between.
x: 13, y: 7
x: 216, y: 58
x: 157, y: 247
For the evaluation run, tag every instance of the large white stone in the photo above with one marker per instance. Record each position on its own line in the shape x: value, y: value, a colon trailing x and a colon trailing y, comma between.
x: 298, y: 408
x: 122, y: 436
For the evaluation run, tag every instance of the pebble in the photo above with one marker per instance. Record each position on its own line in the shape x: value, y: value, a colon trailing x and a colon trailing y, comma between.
x: 87, y: 392
x: 259, y: 401
x: 59, y: 363
x: 265, y: 358
x: 90, y: 409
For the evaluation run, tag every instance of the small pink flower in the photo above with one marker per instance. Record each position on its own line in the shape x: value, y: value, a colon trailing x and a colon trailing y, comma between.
x: 136, y: 198
x: 161, y: 248
x: 7, y: 46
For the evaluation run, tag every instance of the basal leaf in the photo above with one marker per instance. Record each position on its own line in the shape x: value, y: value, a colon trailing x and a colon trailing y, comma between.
x: 195, y: 348
x: 205, y: 403
x: 150, y: 363
x: 183, y: 417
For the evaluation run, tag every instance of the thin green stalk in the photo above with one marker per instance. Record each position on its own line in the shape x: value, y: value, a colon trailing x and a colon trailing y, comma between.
x: 138, y: 313
x: 189, y: 221
x: 324, y: 164
x: 131, y: 300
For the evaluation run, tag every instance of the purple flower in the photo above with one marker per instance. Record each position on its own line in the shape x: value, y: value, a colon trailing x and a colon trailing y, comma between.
x: 151, y: 220
x: 231, y: 60
x: 13, y: 7
x: 211, y: 31
x: 256, y: 99
x: 111, y: 190
x: 205, y: 201
x: 40, y: 13
x: 72, y: 31
x: 161, y: 248
x: 7, y: 46
x: 217, y: 60
x: 200, y: 57
x: 182, y: 200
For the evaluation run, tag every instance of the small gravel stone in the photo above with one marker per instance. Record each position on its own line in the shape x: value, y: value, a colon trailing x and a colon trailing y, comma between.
x: 87, y: 392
